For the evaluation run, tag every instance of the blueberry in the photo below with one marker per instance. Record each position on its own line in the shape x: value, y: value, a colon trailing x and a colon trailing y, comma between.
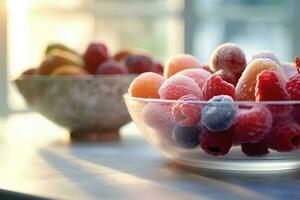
x: 186, y: 137
x: 219, y: 113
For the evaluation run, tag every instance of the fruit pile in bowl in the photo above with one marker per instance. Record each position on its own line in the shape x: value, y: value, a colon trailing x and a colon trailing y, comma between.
x: 84, y: 92
x: 230, y: 114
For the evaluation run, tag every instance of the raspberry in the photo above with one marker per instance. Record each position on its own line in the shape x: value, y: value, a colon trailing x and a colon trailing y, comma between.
x: 95, y: 54
x: 216, y: 144
x: 215, y: 86
x: 228, y: 57
x: 180, y: 62
x: 293, y: 87
x: 186, y: 137
x: 245, y: 88
x: 185, y: 112
x: 296, y: 113
x: 111, y: 67
x: 252, y: 124
x: 146, y: 85
x: 228, y: 77
x: 285, y: 136
x: 270, y: 88
x: 178, y: 86
x: 198, y: 75
x: 138, y: 64
x: 219, y: 113
x: 256, y: 149
x: 297, y: 61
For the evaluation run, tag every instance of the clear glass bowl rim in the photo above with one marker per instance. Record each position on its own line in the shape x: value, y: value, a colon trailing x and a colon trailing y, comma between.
x: 149, y: 100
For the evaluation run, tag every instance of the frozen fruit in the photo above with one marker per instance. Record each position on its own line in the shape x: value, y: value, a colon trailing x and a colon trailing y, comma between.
x: 296, y: 113
x: 69, y: 70
x: 297, y: 62
x: 146, y: 85
x: 245, y: 87
x: 57, y: 46
x: 252, y: 124
x: 180, y: 62
x: 215, y: 86
x: 228, y: 77
x: 216, y: 144
x: 137, y: 64
x: 198, y: 75
x: 111, y: 67
x: 95, y: 54
x: 267, y: 54
x: 31, y: 71
x: 159, y: 116
x: 121, y: 55
x: 228, y: 57
x: 187, y: 112
x: 186, y: 137
x: 270, y: 88
x: 289, y: 69
x: 285, y: 136
x: 157, y: 67
x: 58, y: 58
x: 219, y: 113
x: 178, y: 86
x: 293, y: 87
x: 260, y: 148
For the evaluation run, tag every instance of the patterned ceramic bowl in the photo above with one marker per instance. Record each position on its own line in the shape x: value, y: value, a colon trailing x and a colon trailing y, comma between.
x: 81, y: 104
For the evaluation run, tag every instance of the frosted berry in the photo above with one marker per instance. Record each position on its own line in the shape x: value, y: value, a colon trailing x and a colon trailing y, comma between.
x: 178, y: 86
x: 216, y: 144
x: 146, y: 85
x: 252, y: 124
x: 285, y: 136
x: 187, y: 112
x: 228, y: 57
x: 219, y: 113
x: 186, y: 137
x: 198, y: 75
x: 260, y: 148
x: 180, y: 62
x: 270, y: 88
x: 215, y: 86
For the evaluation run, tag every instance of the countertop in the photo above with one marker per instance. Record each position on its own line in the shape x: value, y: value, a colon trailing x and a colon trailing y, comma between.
x: 38, y: 158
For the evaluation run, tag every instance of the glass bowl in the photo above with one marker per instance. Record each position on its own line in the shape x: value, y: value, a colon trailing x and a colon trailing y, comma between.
x: 154, y: 119
x: 91, y: 107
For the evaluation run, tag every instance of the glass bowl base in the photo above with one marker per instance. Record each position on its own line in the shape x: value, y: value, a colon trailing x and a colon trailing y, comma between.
x: 235, y: 161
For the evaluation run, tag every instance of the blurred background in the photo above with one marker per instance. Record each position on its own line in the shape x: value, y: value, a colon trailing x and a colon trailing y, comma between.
x: 163, y: 27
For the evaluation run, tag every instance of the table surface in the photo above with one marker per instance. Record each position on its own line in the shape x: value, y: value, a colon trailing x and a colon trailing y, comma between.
x: 38, y: 158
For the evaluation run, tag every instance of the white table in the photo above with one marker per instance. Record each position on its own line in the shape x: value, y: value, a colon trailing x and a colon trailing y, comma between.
x: 38, y: 158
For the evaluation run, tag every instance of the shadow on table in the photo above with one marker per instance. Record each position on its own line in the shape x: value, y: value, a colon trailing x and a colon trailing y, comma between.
x: 127, y: 168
